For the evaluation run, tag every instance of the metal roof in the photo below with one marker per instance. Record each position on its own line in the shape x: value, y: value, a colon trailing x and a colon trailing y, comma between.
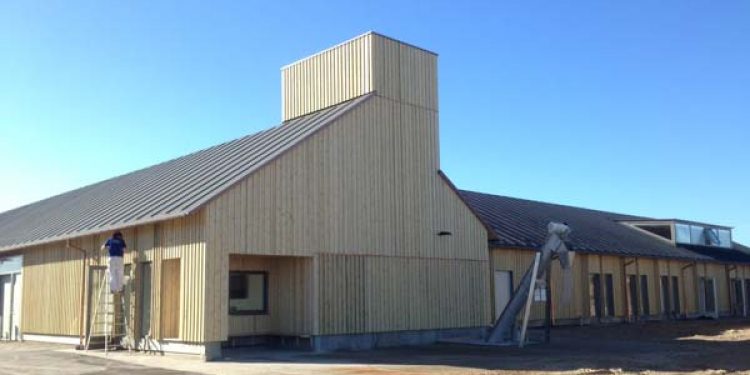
x: 521, y: 223
x: 164, y: 191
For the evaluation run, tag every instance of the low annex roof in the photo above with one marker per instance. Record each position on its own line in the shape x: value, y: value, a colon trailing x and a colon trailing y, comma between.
x: 164, y: 191
x: 521, y: 223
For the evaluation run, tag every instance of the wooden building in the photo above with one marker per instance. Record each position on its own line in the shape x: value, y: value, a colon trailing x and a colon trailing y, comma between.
x: 335, y: 229
x: 626, y: 268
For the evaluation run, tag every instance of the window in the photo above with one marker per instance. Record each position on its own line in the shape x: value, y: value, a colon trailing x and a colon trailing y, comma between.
x: 633, y: 295
x: 609, y: 294
x: 700, y: 235
x: 644, y: 296
x: 248, y: 293
x: 540, y: 293
x: 666, y: 301
x: 601, y: 301
x: 707, y: 297
x: 659, y: 230
x: 697, y: 235
x: 725, y: 238
x: 675, y: 296
x: 738, y: 299
x: 595, y: 295
x: 712, y: 236
x: 683, y: 233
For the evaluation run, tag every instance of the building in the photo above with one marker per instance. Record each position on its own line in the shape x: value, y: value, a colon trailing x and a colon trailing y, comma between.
x: 335, y: 229
x: 626, y: 268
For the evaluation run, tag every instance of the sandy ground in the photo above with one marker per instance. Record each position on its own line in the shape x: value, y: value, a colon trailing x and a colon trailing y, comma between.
x: 706, y: 347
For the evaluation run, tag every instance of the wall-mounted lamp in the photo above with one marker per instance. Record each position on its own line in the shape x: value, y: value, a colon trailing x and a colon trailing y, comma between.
x: 444, y: 233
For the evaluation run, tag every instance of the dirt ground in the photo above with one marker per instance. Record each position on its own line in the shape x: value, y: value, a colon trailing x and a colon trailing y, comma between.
x: 706, y: 347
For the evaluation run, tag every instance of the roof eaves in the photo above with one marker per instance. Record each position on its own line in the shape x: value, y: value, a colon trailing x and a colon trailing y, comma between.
x: 89, y: 232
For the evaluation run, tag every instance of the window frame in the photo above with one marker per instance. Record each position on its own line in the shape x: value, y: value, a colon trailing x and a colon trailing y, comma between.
x: 263, y: 311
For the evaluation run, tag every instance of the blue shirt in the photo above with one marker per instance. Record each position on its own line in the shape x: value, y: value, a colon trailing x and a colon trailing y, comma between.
x: 116, y: 247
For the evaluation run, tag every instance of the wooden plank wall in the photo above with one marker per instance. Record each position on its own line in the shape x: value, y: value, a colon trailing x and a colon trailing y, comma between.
x: 327, y: 78
x: 366, y: 185
x: 404, y: 73
x: 362, y: 293
x: 370, y: 62
x: 290, y: 296
x: 51, y: 290
x: 52, y: 277
x: 518, y: 261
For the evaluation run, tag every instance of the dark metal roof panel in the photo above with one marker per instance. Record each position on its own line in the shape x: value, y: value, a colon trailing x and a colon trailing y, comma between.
x: 521, y: 223
x: 167, y: 190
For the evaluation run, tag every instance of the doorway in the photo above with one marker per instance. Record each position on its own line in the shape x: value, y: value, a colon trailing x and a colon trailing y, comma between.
x: 10, y: 306
x: 739, y: 297
x: 503, y: 291
x: 707, y: 297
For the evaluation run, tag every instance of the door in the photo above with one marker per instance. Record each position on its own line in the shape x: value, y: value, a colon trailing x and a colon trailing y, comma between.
x: 503, y: 291
x: 170, y: 299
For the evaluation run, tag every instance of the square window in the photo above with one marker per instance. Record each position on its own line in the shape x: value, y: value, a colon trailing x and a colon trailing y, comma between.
x: 683, y: 233
x: 697, y: 235
x: 248, y: 293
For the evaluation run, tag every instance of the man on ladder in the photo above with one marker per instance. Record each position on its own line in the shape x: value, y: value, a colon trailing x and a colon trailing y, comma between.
x: 116, y: 246
x: 112, y: 312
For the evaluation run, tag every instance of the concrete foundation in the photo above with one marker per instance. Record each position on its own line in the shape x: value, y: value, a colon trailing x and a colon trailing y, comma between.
x: 212, y: 351
x: 387, y: 339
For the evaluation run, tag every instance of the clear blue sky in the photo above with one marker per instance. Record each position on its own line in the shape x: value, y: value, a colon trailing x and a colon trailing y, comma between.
x: 640, y: 107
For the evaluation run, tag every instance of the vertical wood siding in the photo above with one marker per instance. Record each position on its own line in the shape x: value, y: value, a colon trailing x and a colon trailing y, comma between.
x: 368, y: 63
x: 518, y: 261
x: 51, y: 290
x: 52, y: 277
x: 330, y: 77
x: 366, y: 185
x: 360, y: 294
x: 181, y: 239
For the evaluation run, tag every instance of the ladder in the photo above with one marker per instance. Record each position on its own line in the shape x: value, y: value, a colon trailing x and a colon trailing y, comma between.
x: 108, y: 318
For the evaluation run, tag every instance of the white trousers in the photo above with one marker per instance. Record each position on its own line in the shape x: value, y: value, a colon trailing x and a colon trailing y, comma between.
x: 116, y: 274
